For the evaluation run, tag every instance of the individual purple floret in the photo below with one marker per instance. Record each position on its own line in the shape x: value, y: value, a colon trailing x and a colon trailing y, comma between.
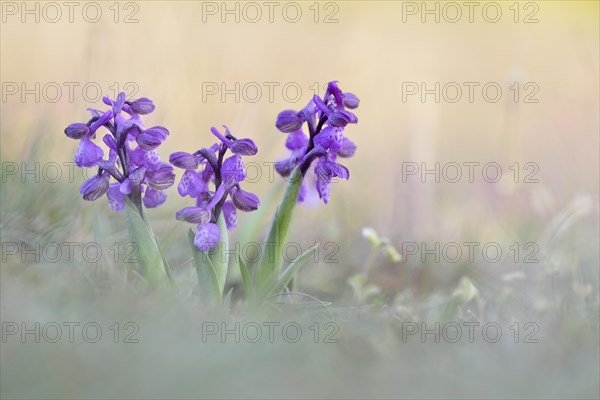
x: 209, y: 166
x: 132, y: 158
x: 325, y: 119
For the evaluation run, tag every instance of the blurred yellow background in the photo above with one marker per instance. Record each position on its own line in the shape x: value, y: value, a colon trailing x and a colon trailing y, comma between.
x: 177, y: 52
x: 192, y: 59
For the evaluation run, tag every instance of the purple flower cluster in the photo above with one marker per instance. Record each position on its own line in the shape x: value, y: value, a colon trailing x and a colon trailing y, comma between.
x: 132, y: 158
x: 325, y: 119
x: 209, y: 165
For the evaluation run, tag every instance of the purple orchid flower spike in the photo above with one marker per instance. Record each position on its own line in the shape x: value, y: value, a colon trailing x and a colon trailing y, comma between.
x: 325, y: 118
x: 138, y: 172
x: 210, y: 167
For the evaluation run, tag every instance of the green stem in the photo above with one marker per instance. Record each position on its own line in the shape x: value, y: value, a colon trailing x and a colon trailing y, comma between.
x: 269, y: 267
x: 136, y: 199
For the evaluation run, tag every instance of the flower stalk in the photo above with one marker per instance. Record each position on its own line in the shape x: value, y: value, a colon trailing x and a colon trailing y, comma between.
x: 140, y: 178
x: 218, y: 194
x: 269, y: 268
x: 325, y: 119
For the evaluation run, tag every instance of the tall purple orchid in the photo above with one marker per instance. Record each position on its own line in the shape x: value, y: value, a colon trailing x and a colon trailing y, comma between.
x: 209, y: 165
x: 132, y: 159
x: 140, y: 178
x: 325, y: 119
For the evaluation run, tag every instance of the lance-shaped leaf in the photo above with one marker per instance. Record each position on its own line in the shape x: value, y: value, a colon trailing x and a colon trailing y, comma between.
x: 219, y: 255
x: 211, y: 266
x: 166, y: 265
x: 227, y: 300
x: 150, y: 258
x: 291, y: 270
x: 246, y: 282
x: 207, y: 279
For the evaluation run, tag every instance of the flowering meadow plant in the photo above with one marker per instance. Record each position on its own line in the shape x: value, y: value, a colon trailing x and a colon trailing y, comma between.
x: 213, y: 180
x: 140, y: 177
x: 225, y: 174
x: 134, y: 177
x: 326, y: 119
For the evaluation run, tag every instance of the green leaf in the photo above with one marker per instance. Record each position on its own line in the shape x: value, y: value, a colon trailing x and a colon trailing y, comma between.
x: 219, y: 255
x: 227, y: 300
x: 269, y: 265
x: 246, y: 282
x: 291, y: 270
x: 149, y: 254
x: 211, y: 266
x: 165, y: 262
x: 207, y: 279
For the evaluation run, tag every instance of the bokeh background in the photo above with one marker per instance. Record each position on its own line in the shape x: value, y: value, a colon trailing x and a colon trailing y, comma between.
x: 178, y: 52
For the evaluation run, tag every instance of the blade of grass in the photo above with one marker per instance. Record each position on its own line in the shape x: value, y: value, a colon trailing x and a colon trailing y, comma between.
x: 227, y: 300
x: 246, y: 282
x: 292, y: 269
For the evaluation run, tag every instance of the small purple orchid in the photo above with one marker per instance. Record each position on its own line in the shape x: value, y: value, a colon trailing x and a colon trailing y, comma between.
x: 137, y: 170
x: 326, y: 119
x: 209, y: 165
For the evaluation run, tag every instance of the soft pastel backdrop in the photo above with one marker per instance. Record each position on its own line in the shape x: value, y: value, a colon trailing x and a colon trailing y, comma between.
x: 171, y: 55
